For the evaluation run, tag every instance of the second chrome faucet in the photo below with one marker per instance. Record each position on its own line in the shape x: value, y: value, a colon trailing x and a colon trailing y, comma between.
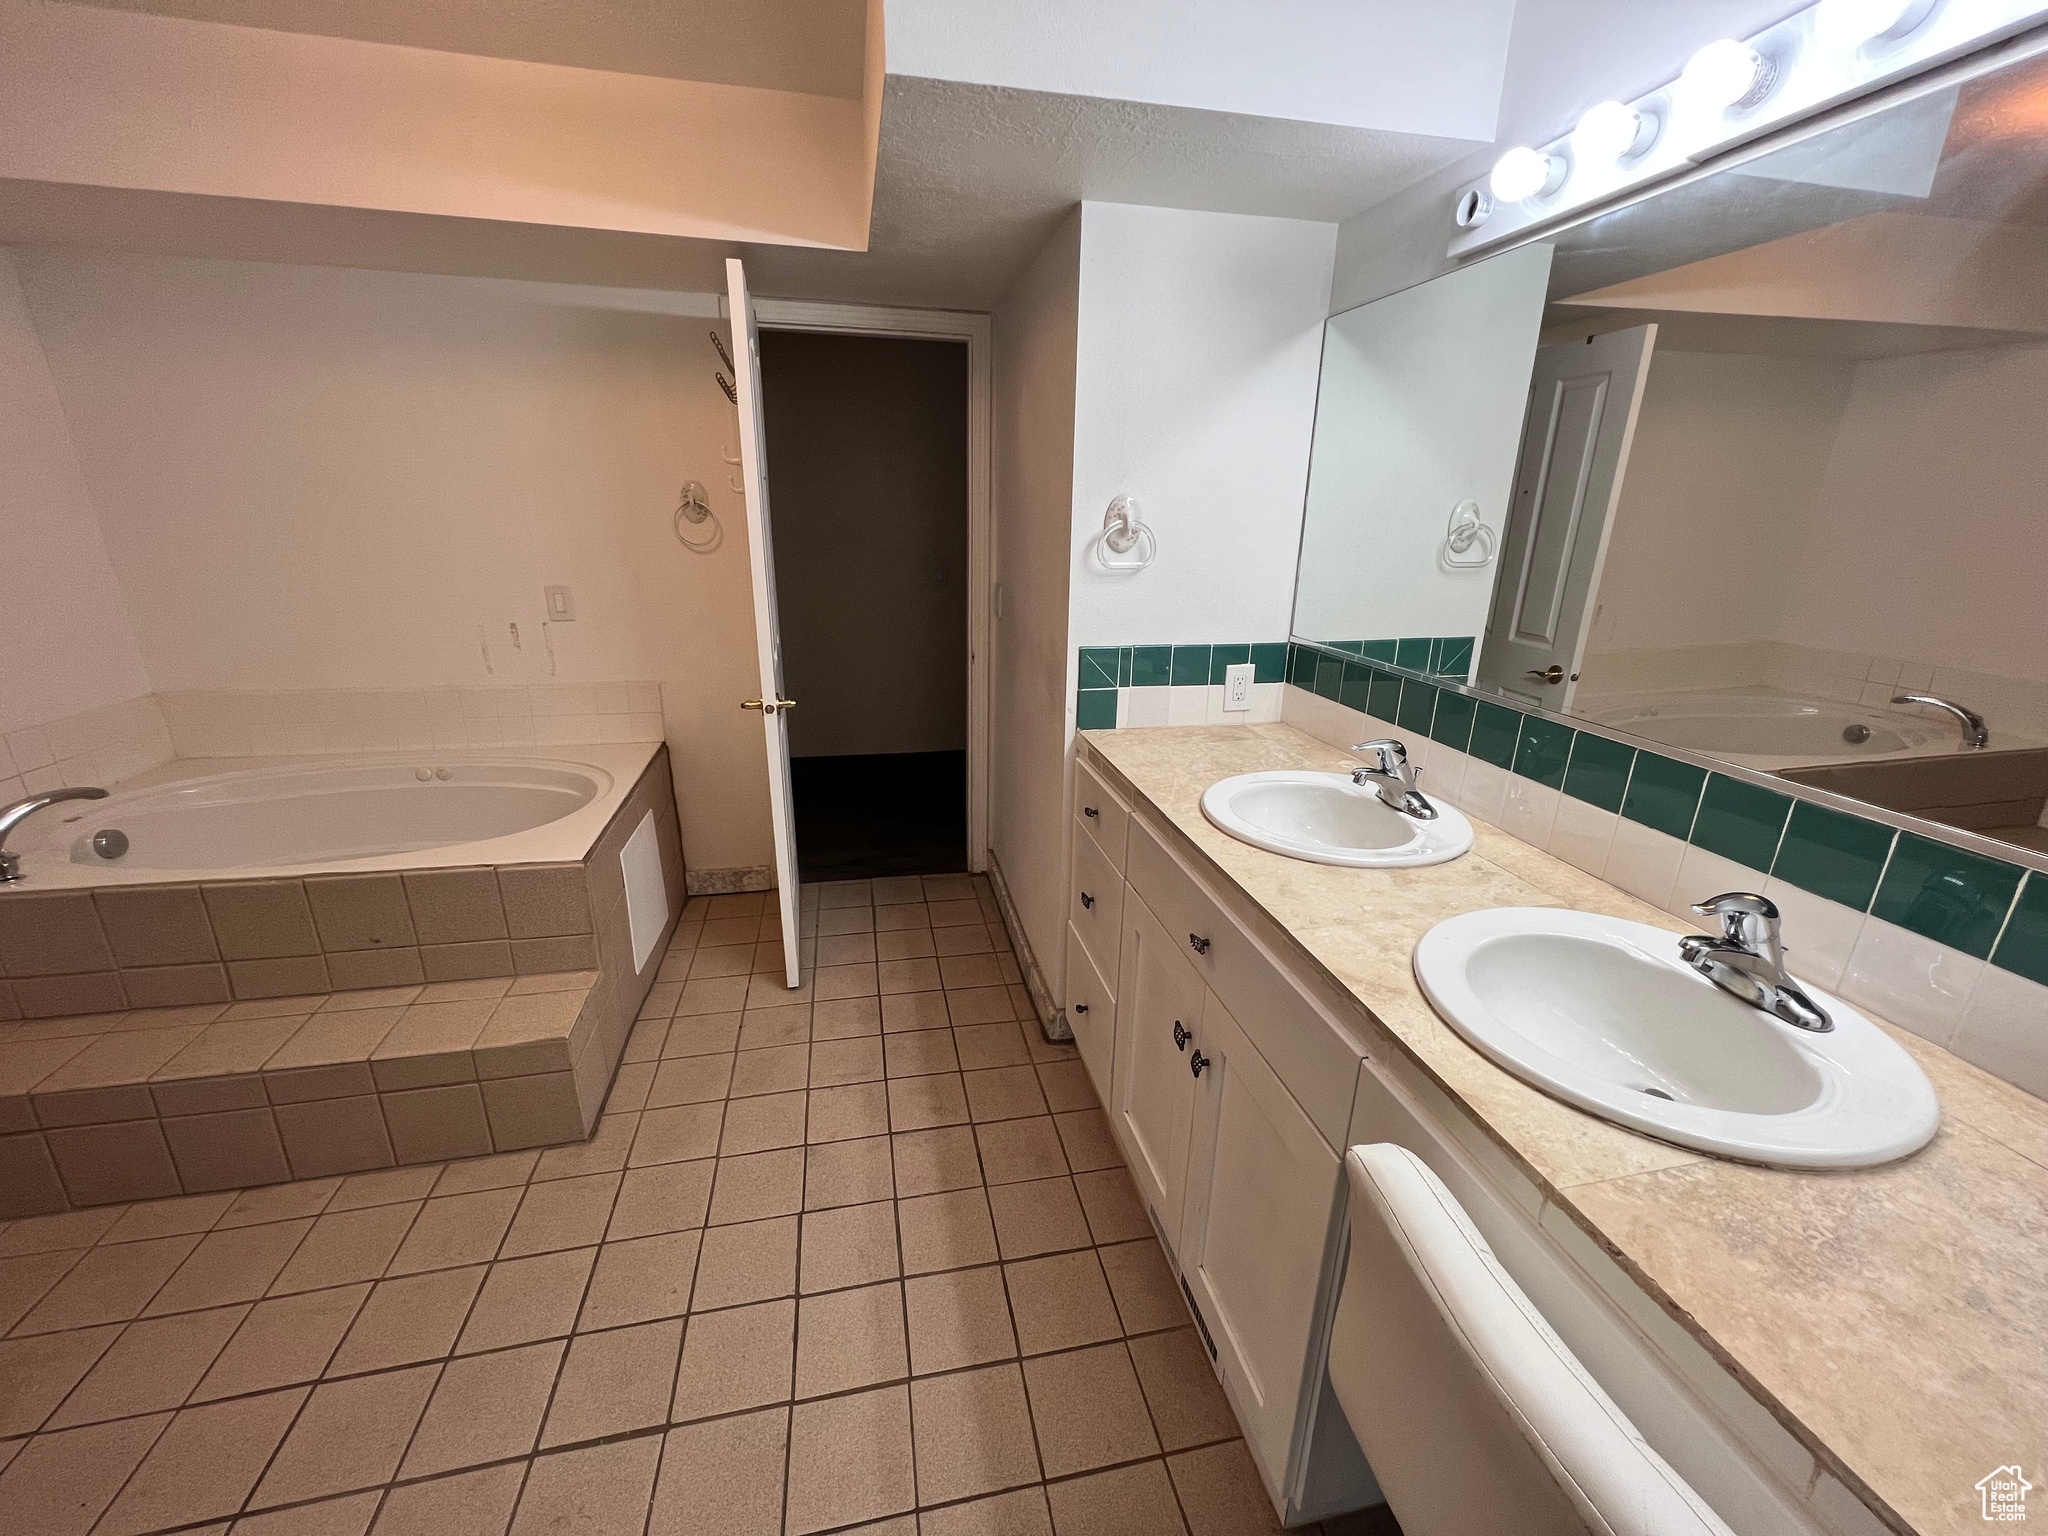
x: 1388, y: 774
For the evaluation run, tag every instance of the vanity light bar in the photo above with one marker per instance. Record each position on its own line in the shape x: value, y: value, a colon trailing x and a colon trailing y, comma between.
x: 1729, y: 92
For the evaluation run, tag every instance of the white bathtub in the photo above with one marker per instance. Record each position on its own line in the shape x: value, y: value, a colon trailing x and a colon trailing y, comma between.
x: 1773, y: 730
x: 196, y: 820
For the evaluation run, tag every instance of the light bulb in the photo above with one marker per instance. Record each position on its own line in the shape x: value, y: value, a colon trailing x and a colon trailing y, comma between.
x: 1847, y: 25
x: 1726, y: 75
x: 1524, y: 173
x: 1612, y: 131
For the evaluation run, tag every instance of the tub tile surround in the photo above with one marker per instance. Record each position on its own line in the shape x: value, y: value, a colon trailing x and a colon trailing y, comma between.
x: 1892, y: 1319
x: 329, y: 1042
x: 99, y: 746
x: 225, y: 723
x: 1892, y: 921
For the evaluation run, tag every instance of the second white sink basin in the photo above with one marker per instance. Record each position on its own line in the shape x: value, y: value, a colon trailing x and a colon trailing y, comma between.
x: 1603, y: 1014
x: 1327, y: 819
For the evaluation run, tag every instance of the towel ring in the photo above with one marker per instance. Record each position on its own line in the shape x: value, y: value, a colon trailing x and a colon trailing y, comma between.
x: 1465, y: 530
x: 1124, y: 534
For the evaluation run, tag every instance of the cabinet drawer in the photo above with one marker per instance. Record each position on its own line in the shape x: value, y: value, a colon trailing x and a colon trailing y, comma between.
x: 1091, y: 1014
x: 1304, y: 1045
x: 1097, y: 809
x: 1095, y: 904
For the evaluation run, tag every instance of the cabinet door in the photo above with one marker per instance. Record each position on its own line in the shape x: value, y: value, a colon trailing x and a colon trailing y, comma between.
x: 1091, y: 1013
x: 1159, y: 1015
x: 1262, y: 1197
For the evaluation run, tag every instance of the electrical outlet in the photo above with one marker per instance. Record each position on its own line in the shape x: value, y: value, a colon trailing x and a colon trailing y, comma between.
x: 1237, y: 685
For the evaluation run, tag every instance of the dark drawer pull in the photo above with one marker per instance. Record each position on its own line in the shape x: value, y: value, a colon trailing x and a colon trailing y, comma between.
x: 1198, y: 944
x: 1087, y: 900
x: 1090, y: 811
x: 1080, y: 1007
x: 1180, y: 1036
x: 1197, y: 1062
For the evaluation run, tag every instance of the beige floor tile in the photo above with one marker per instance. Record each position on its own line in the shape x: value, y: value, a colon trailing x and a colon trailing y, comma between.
x: 153, y: 1366
x: 349, y: 1515
x: 168, y: 1218
x: 1147, y: 1296
x: 204, y: 1464
x: 523, y: 1300
x: 973, y: 1434
x: 278, y: 1202
x: 889, y: 889
x: 916, y: 1053
x: 920, y: 1103
x: 778, y: 1023
x: 1089, y: 1144
x: 469, y: 1504
x: 1188, y: 1405
x: 898, y: 976
x: 968, y: 939
x: 36, y: 1373
x: 913, y: 941
x: 1019, y: 1513
x: 850, y: 1339
x: 846, y: 920
x: 857, y: 1059
x: 604, y: 1152
x: 1013, y: 1151
x: 668, y: 1197
x: 1004, y: 1093
x: 645, y: 1042
x: 630, y: 1086
x: 235, y: 1265
x: 849, y: 1460
x: 846, y: 1018
x: 641, y: 1279
x: 714, y: 1034
x: 283, y: 1341
x: 1065, y: 1083
x: 64, y: 1229
x: 385, y: 1186
x: 59, y: 1484
x: 567, y: 1213
x: 676, y: 1135
x: 939, y: 1159
x: 1132, y: 1501
x: 349, y: 1435
x: 1115, y: 1212
x: 345, y: 1247
x: 833, y: 983
x: 739, y: 1358
x: 914, y: 1010
x: 25, y: 1279
x: 846, y: 949
x: 845, y: 1113
x: 989, y: 1005
x: 1220, y: 1492
x: 991, y: 1045
x: 843, y: 893
x: 849, y: 1245
x: 774, y: 991
x: 406, y: 1321
x: 711, y: 994
x: 485, y: 1408
x: 719, y: 960
x: 757, y: 1125
x: 775, y: 1069
x: 723, y: 1476
x: 1088, y: 1409
x: 962, y: 972
x: 107, y: 1285
x: 758, y: 1185
x: 847, y: 1173
x: 457, y: 1229
x: 1042, y: 1216
x: 614, y: 1382
x: 946, y: 1231
x: 500, y: 1170
x: 1061, y: 1301
x: 750, y: 1262
x: 902, y: 916
x: 601, y: 1490
x: 957, y: 1319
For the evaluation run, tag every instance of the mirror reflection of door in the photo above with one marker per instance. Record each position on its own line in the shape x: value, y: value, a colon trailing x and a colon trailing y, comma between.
x: 1583, y: 401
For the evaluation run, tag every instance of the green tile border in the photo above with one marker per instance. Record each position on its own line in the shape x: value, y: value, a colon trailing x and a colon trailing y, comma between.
x: 1663, y: 794
x: 2023, y: 946
x: 1947, y: 894
x: 1741, y: 821
x: 1833, y: 854
x: 1599, y: 770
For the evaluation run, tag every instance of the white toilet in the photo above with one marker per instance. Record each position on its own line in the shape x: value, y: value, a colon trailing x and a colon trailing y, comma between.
x: 1477, y: 1420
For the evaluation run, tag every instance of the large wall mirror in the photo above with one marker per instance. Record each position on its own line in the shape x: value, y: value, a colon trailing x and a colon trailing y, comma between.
x: 1756, y: 468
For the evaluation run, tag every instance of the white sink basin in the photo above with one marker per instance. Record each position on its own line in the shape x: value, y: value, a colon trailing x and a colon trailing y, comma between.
x: 1327, y: 819
x: 1603, y: 1014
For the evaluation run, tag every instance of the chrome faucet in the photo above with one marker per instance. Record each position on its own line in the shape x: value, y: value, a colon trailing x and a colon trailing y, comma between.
x: 1390, y: 777
x: 1748, y: 959
x: 12, y: 816
x: 1974, y: 733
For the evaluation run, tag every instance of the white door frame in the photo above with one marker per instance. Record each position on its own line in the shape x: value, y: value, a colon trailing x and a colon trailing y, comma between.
x: 974, y: 329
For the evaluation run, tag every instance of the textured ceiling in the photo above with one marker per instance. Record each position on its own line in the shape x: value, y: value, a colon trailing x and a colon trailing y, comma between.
x: 972, y: 179
x: 815, y: 46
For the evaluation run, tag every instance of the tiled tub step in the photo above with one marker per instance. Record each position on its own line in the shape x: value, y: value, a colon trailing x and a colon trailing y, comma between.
x: 103, y: 1107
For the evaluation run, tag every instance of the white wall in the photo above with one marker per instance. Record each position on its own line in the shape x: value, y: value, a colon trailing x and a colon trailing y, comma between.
x: 1031, y: 711
x: 1199, y: 343
x: 64, y: 630
x: 319, y: 478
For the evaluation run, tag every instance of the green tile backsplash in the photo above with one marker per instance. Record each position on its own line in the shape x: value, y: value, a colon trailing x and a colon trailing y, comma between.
x: 1495, y: 729
x: 1417, y: 708
x: 1544, y: 749
x: 1946, y: 894
x: 1599, y: 769
x: 1833, y: 854
x: 1740, y: 821
x: 1664, y: 794
x: 2023, y: 947
x: 1453, y: 723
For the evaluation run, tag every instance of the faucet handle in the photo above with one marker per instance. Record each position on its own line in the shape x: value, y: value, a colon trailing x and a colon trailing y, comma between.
x: 1735, y: 908
x: 1392, y: 755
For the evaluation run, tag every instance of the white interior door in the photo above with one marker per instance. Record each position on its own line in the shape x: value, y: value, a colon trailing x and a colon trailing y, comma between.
x: 1583, y: 400
x: 773, y: 706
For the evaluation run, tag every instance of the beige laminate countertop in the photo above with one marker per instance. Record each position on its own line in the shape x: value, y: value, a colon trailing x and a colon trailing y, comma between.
x: 1895, y: 1319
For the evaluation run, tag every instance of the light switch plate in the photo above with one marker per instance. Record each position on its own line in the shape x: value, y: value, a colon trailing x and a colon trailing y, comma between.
x: 1237, y: 686
x: 561, y: 604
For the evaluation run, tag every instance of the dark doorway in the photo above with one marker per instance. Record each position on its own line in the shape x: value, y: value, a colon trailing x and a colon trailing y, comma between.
x: 868, y: 495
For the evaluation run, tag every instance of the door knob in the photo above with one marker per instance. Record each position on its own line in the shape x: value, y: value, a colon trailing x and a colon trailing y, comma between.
x: 1180, y: 1036
x: 767, y: 707
x: 1552, y: 674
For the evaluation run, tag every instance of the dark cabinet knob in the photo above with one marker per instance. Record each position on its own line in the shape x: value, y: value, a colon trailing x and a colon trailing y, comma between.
x: 1090, y: 812
x: 1087, y: 900
x: 1198, y: 944
x: 1180, y: 1036
x: 1080, y: 1007
x: 1197, y: 1062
